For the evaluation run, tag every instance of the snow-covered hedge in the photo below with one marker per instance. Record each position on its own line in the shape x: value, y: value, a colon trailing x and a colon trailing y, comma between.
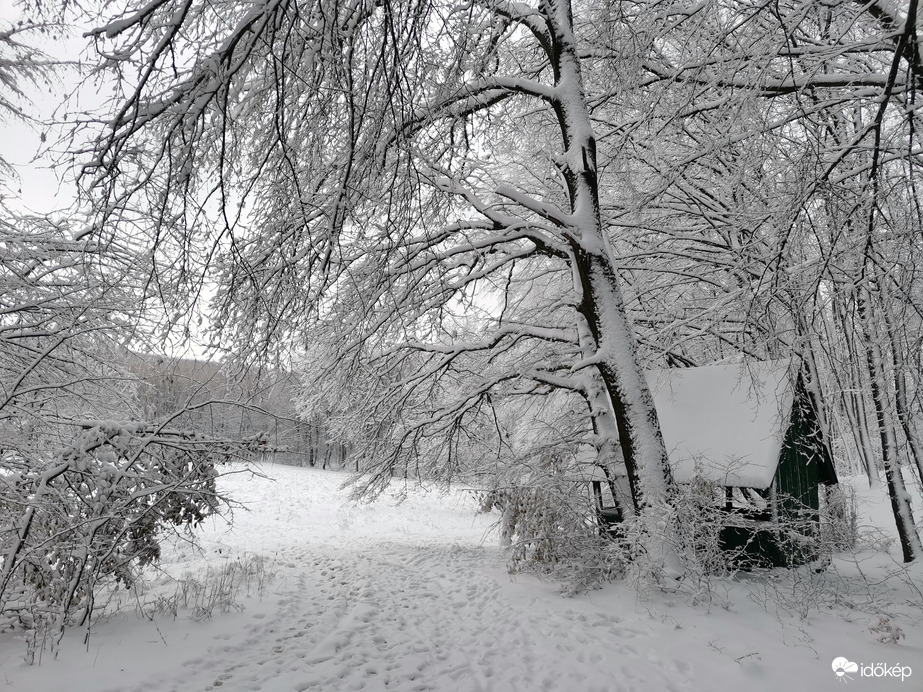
x: 94, y: 513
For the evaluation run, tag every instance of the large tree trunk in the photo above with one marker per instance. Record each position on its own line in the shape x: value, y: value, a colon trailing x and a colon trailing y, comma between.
x: 602, y: 305
x: 605, y: 429
x: 639, y: 434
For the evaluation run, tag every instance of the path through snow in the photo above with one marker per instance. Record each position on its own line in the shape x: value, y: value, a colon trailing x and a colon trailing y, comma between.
x: 416, y: 618
x: 414, y: 597
x: 405, y: 597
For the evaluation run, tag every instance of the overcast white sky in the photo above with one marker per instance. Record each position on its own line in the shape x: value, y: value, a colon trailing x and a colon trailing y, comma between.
x: 44, y: 186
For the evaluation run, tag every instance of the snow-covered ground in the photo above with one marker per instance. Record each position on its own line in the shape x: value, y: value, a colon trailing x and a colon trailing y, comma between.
x: 415, y: 596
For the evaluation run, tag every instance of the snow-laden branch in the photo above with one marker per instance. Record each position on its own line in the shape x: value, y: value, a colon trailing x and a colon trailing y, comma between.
x: 543, y: 209
x: 519, y: 331
x: 570, y: 383
x: 116, y: 27
x: 545, y: 242
x: 781, y: 86
x: 474, y: 97
x: 523, y: 14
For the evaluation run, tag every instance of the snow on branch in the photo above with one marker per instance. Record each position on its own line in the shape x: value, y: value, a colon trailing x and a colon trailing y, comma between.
x: 518, y: 331
x: 543, y: 209
x: 768, y: 86
x: 116, y: 27
x: 523, y: 14
x: 473, y: 97
x: 546, y: 242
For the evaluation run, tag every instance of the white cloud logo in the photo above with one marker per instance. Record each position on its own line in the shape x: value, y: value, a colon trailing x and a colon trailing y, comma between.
x: 841, y: 666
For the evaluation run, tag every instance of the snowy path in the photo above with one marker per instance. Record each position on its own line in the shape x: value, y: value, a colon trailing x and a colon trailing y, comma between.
x: 412, y: 597
x: 408, y: 619
x: 405, y: 597
x: 418, y: 618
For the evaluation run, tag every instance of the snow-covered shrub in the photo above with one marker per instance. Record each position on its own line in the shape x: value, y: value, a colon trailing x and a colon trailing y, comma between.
x: 691, y: 545
x: 839, y: 519
x: 689, y: 531
x: 712, y: 542
x: 548, y: 523
x: 551, y: 530
x: 94, y: 513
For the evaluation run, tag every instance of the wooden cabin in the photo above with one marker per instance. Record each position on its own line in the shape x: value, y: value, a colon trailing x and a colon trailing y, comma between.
x: 751, y: 431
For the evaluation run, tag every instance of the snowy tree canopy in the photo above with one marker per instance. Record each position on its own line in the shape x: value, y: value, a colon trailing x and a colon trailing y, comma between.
x: 712, y: 181
x: 470, y: 226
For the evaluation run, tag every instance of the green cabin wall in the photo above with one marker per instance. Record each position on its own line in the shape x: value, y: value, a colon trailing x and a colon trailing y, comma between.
x: 797, y: 476
x: 804, y: 464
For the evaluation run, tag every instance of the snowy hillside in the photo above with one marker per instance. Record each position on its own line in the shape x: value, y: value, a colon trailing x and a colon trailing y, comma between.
x: 415, y: 596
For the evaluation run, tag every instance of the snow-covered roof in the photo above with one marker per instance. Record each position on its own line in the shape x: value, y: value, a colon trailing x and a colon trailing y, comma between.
x: 587, y: 468
x: 726, y: 421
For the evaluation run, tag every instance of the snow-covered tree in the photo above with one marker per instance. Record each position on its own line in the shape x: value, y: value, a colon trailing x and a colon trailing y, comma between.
x: 87, y: 483
x: 770, y: 173
x: 307, y: 152
x: 369, y: 173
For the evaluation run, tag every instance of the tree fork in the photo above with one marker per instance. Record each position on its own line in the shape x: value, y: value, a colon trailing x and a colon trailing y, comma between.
x: 602, y: 304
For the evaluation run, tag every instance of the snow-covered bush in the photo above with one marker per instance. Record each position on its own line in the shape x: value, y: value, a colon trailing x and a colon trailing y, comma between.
x: 839, y: 519
x: 548, y: 521
x: 93, y: 513
x: 691, y: 528
x: 550, y: 530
